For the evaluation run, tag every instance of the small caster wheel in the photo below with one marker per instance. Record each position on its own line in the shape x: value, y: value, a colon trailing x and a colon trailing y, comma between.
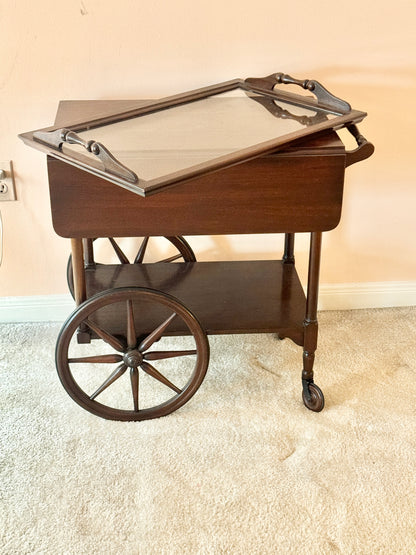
x: 316, y: 402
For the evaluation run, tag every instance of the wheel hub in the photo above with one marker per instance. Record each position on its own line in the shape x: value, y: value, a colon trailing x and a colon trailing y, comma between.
x: 133, y: 358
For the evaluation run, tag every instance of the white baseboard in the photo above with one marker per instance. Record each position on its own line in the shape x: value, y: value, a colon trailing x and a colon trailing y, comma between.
x: 340, y: 296
x: 40, y: 308
x: 347, y: 296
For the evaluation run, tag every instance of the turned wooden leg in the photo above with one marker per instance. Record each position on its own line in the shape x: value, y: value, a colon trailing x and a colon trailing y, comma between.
x: 78, y: 271
x: 88, y: 252
x: 80, y: 293
x: 288, y: 258
x: 288, y: 255
x: 312, y: 395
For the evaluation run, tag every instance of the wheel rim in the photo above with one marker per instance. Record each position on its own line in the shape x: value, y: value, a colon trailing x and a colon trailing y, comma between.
x: 140, y: 253
x: 122, y: 374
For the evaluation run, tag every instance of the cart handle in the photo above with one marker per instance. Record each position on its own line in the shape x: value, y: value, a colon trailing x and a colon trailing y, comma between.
x: 364, y: 149
x: 111, y: 165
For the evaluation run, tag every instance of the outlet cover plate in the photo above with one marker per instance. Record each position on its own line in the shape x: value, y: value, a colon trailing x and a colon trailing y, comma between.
x: 7, y: 188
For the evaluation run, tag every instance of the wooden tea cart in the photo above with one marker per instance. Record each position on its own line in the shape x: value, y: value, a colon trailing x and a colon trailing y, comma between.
x: 241, y: 157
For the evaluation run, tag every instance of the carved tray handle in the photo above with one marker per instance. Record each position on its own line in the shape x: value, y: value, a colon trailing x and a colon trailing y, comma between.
x: 111, y: 165
x: 322, y: 94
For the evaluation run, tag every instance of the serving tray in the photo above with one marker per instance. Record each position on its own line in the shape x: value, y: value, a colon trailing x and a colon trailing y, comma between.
x: 167, y: 141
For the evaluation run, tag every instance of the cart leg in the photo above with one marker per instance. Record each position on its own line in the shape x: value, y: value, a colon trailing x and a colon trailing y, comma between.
x: 289, y: 256
x: 312, y: 395
x: 78, y: 270
x: 80, y: 294
x: 88, y: 253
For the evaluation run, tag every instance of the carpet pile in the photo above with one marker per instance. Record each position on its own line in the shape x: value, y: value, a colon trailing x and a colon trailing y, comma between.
x: 242, y: 468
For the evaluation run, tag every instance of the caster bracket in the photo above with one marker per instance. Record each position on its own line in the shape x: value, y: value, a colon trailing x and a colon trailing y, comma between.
x: 306, y: 391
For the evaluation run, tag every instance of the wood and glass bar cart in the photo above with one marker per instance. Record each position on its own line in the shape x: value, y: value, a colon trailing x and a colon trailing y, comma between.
x: 240, y: 157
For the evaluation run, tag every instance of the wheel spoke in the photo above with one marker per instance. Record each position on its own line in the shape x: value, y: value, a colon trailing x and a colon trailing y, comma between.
x: 151, y: 370
x: 120, y: 254
x: 172, y: 258
x: 131, y: 330
x: 134, y: 379
x: 107, y: 381
x: 119, y: 371
x: 156, y: 334
x: 140, y: 255
x: 160, y: 355
x: 105, y: 336
x: 104, y: 359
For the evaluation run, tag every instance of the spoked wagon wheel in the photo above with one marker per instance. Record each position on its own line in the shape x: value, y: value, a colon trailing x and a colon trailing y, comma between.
x: 121, y: 374
x: 136, y: 250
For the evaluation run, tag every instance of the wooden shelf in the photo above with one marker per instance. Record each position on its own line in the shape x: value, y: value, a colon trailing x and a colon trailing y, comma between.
x: 226, y: 297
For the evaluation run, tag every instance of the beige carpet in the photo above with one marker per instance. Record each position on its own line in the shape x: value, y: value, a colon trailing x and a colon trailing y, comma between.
x: 243, y: 468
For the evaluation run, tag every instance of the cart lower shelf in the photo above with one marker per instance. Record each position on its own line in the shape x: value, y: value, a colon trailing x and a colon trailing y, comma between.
x: 226, y: 297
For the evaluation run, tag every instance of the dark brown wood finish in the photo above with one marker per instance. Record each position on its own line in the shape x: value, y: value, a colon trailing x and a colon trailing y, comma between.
x: 266, y: 195
x: 289, y: 252
x: 313, y: 398
x: 301, y: 189
x: 78, y: 270
x: 298, y: 189
x: 132, y: 351
x: 227, y: 297
x: 183, y: 252
x: 49, y: 140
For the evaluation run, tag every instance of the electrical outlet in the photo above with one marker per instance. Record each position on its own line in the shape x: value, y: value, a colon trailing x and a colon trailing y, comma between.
x: 7, y: 188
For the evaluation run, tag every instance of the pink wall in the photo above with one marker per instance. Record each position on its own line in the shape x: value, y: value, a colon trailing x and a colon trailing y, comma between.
x: 362, y: 51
